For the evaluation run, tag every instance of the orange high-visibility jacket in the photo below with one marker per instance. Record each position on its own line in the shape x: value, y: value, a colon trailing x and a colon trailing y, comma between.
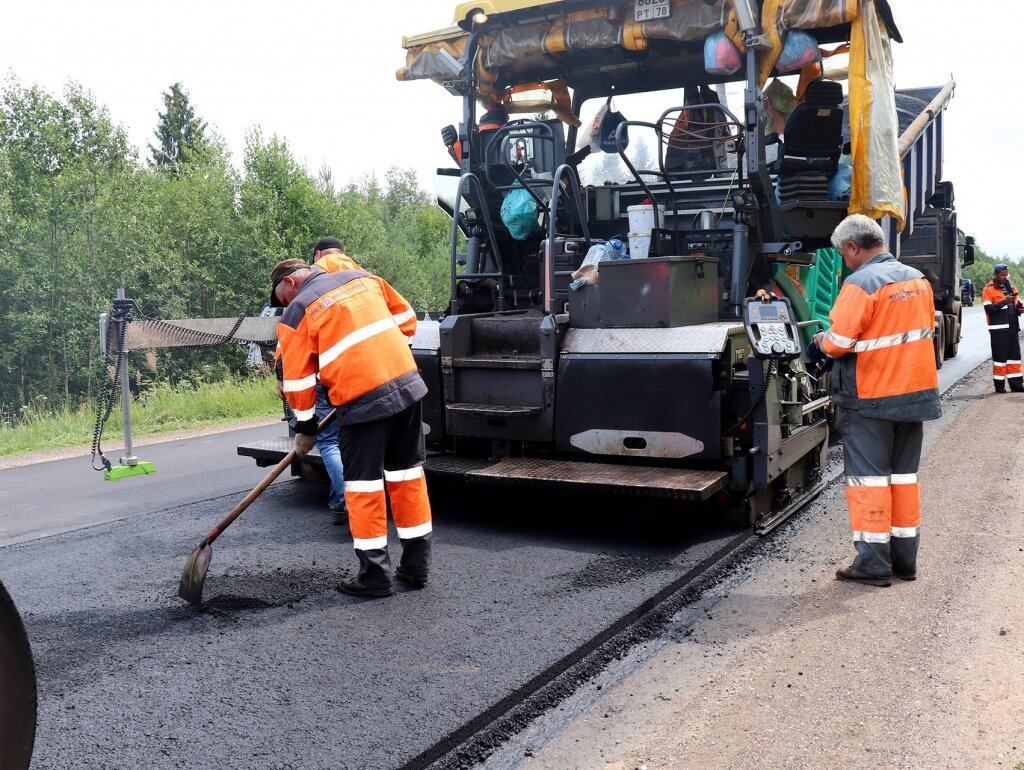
x: 882, y: 330
x: 353, y: 329
x: 335, y: 263
x: 331, y: 263
x: 999, y: 315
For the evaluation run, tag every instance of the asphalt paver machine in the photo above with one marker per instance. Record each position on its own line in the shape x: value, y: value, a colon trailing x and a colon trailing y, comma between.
x: 639, y: 375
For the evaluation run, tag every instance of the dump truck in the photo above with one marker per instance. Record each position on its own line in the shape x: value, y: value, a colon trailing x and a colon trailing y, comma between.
x: 556, y: 365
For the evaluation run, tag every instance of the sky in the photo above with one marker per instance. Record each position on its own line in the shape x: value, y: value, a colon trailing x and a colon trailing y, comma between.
x: 321, y: 75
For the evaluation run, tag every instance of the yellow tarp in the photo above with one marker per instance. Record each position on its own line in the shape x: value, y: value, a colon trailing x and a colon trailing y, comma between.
x: 877, y: 188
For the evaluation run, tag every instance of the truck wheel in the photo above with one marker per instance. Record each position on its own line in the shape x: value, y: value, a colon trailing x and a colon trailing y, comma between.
x: 17, y: 689
x: 953, y: 345
x: 940, y: 345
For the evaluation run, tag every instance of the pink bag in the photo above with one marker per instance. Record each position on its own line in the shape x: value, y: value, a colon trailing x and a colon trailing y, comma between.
x: 721, y: 57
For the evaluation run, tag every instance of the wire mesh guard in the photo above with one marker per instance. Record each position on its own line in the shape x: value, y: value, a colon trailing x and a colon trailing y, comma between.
x: 694, y: 138
x: 127, y: 328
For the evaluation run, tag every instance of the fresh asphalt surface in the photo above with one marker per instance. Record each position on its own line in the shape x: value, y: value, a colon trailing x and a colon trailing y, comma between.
x: 279, y: 670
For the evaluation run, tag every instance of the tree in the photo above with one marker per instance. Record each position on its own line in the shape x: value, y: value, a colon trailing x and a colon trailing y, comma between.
x: 179, y: 131
x: 640, y: 157
x: 610, y: 168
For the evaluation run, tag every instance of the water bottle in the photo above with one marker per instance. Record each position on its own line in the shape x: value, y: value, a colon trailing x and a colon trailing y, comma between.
x: 616, y: 248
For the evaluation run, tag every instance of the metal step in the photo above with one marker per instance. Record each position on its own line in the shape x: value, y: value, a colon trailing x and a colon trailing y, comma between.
x: 270, y: 451
x: 671, y: 483
x: 493, y: 410
x: 483, y: 362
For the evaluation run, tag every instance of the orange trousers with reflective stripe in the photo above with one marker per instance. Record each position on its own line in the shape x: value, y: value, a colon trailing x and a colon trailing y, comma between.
x: 385, y: 454
x: 1006, y: 367
x: 881, y: 460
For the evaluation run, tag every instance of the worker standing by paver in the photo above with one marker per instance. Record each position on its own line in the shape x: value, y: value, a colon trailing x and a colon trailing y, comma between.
x: 884, y: 385
x: 352, y: 329
x: 329, y: 254
x: 1002, y: 311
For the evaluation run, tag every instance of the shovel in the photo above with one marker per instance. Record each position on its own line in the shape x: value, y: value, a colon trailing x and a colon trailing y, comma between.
x: 194, y: 575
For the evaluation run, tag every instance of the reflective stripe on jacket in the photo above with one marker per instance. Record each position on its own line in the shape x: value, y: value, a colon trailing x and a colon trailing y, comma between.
x: 883, y: 325
x: 999, y: 316
x: 353, y: 329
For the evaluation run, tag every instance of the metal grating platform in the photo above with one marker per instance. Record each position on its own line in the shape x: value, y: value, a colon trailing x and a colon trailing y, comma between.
x: 671, y: 483
x: 275, y: 449
x: 688, y: 484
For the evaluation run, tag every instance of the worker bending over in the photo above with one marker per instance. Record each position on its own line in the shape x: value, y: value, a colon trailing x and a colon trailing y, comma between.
x: 353, y: 330
x: 884, y: 385
x: 1002, y: 308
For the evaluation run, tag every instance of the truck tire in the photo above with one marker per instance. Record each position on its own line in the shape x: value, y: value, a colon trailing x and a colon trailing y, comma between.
x: 17, y: 689
x: 953, y: 344
x: 940, y: 345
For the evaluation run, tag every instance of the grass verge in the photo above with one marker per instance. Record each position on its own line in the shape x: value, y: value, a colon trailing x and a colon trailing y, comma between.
x: 163, y: 409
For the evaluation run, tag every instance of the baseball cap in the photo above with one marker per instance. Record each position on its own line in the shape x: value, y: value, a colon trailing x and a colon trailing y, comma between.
x: 1000, y: 267
x: 283, y: 268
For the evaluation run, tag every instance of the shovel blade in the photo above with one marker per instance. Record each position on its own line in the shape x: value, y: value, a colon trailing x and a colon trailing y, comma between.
x: 194, y: 575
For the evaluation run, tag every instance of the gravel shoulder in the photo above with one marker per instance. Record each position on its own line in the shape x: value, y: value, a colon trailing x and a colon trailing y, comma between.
x: 793, y: 669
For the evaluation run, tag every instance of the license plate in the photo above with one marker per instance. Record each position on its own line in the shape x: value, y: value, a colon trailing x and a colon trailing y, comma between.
x: 647, y: 10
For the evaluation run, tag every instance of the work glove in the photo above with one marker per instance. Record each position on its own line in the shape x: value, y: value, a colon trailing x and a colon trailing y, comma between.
x: 303, y: 444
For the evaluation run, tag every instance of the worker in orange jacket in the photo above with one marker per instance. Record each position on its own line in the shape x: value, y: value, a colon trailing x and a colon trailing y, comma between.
x: 353, y: 330
x: 884, y: 385
x: 1002, y: 309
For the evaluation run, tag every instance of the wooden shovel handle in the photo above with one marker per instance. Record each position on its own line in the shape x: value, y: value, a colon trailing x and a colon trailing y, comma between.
x: 262, y: 486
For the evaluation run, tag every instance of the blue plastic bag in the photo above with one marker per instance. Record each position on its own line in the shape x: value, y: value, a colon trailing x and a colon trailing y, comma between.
x: 721, y: 57
x: 800, y: 50
x: 519, y: 213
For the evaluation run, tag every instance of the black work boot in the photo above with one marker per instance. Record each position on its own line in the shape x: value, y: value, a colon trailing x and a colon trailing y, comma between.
x: 374, y: 577
x: 1000, y: 387
x: 414, y: 567
x: 355, y: 587
x: 854, y: 575
x: 872, y: 565
x: 339, y: 514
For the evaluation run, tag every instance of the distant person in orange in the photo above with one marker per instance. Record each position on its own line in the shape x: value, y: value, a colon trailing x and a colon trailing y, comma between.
x: 1002, y: 311
x: 330, y: 255
x: 351, y: 330
x: 884, y: 386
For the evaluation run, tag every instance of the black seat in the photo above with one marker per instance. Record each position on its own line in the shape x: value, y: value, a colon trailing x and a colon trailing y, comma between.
x: 814, y: 131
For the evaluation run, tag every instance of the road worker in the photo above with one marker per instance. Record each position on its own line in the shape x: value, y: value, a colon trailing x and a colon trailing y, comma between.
x: 1002, y: 308
x: 352, y: 329
x: 884, y: 385
x: 329, y: 254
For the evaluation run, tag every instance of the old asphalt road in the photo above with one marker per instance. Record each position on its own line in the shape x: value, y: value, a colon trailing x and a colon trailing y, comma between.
x: 279, y: 670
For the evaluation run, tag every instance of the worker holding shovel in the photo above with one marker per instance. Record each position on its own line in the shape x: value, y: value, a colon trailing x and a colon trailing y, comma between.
x: 352, y: 329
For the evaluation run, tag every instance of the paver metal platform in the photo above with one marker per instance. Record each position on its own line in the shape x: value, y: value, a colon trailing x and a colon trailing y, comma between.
x: 671, y: 483
x: 688, y: 484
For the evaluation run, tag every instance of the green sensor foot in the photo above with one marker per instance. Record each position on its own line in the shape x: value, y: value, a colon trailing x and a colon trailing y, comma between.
x: 141, y: 468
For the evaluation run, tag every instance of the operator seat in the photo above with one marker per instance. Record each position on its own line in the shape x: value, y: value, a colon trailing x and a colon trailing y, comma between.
x: 809, y: 153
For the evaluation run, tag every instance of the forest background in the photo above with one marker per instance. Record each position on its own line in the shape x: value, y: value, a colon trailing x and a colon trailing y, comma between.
x: 187, y: 232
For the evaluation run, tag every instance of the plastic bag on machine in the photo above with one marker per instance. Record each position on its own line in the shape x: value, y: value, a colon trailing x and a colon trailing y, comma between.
x: 593, y: 134
x: 800, y: 50
x: 609, y: 124
x: 519, y: 213
x: 721, y: 57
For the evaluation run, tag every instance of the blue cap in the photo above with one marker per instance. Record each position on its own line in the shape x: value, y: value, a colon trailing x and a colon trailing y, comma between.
x: 999, y: 268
